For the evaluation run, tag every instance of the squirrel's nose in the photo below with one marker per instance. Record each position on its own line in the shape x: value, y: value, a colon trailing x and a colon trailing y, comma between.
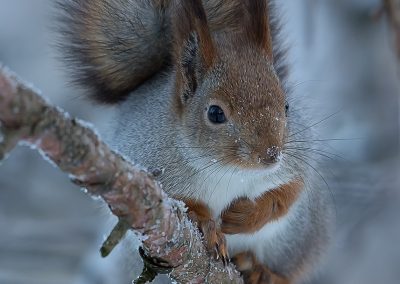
x: 271, y: 155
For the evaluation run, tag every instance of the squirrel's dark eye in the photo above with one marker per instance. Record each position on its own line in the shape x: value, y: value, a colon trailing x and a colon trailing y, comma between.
x: 287, y: 108
x: 216, y: 114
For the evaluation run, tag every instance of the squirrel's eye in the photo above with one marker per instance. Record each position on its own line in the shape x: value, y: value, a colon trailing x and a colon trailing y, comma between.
x: 287, y: 108
x: 216, y: 114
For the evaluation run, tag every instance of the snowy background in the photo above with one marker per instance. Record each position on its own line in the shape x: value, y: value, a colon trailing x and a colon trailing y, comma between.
x: 340, y: 58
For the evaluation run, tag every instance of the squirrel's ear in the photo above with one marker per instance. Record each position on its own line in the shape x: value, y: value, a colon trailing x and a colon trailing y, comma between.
x: 257, y: 26
x: 194, y: 50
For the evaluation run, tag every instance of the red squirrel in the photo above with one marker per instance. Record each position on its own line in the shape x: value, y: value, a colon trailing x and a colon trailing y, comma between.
x: 201, y: 90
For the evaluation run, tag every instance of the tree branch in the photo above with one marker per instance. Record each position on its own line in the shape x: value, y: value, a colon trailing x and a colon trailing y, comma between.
x: 132, y: 194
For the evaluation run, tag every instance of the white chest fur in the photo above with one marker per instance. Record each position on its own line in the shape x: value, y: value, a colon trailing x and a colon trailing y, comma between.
x: 219, y: 188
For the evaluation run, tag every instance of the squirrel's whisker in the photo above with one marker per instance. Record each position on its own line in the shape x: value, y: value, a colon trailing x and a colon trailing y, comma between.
x: 315, y: 124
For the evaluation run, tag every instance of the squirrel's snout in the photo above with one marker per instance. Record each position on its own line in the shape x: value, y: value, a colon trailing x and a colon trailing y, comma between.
x: 272, y: 155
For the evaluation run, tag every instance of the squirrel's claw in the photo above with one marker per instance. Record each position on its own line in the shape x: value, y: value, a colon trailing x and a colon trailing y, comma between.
x: 214, y: 239
x: 221, y: 247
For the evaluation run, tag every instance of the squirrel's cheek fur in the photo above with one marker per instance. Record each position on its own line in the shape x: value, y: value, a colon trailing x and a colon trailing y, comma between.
x: 166, y: 62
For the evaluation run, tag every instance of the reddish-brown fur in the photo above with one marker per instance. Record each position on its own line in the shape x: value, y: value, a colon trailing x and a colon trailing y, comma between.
x: 98, y: 38
x: 193, y: 48
x: 112, y: 47
x: 247, y: 216
x: 258, y: 29
x: 247, y: 88
x: 255, y: 272
x: 214, y: 239
x: 190, y: 18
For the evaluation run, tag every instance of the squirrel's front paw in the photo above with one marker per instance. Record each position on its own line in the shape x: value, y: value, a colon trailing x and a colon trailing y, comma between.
x: 214, y: 238
x: 240, y: 217
x: 254, y: 272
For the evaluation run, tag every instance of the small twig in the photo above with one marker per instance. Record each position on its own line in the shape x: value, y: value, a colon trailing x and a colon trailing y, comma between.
x: 114, y: 238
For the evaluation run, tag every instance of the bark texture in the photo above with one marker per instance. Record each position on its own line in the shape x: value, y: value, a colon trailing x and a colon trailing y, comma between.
x: 132, y: 193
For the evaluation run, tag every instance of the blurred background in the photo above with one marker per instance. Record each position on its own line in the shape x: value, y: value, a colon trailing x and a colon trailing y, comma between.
x: 341, y: 59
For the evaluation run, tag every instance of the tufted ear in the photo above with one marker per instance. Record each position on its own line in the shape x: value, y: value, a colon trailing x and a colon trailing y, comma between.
x: 194, y: 49
x: 257, y: 26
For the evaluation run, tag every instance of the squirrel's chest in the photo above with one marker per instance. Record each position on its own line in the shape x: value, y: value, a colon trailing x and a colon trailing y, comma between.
x: 250, y: 209
x: 220, y: 188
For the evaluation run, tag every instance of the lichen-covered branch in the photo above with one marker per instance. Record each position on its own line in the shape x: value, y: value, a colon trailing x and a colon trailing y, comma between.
x: 131, y: 193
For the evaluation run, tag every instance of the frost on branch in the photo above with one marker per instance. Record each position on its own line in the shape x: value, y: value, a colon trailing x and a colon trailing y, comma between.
x: 131, y: 193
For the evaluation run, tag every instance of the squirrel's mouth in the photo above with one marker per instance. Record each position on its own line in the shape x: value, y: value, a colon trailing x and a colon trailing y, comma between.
x: 257, y: 164
x: 260, y: 159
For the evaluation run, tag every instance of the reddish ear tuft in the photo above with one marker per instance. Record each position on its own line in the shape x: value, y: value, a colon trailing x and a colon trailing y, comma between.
x: 258, y: 26
x: 190, y: 18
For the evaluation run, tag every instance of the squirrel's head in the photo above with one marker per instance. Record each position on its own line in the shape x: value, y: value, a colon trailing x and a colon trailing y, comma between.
x: 230, y: 101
